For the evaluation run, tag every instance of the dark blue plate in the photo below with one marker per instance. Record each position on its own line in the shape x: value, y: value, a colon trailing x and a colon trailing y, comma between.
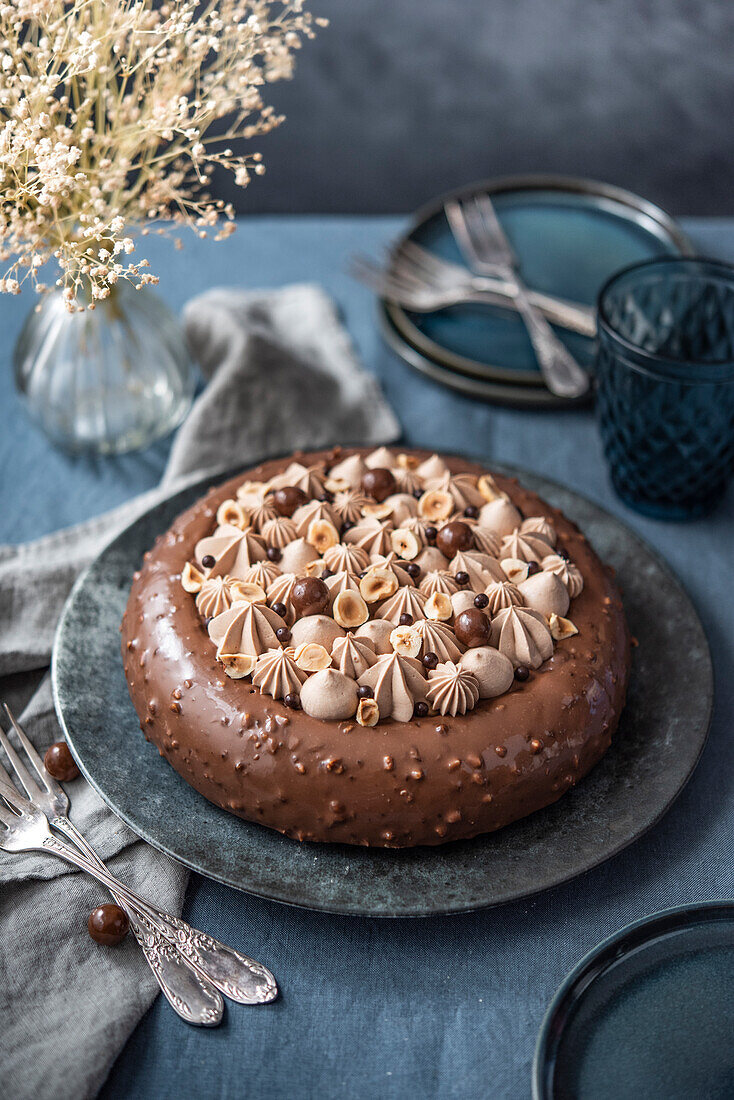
x: 660, y: 737
x: 647, y: 1015
x: 570, y: 236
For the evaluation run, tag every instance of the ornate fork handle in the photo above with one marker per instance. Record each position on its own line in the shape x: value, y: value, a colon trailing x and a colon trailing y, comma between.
x: 561, y: 371
x: 191, y: 995
x: 239, y: 977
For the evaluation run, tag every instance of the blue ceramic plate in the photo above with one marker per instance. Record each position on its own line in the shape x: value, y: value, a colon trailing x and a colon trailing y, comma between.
x: 648, y: 1015
x: 660, y: 738
x: 570, y: 236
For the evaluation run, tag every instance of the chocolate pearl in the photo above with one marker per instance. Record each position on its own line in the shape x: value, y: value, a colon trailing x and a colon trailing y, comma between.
x: 280, y: 609
x: 364, y: 691
x: 461, y: 577
x: 287, y: 499
x: 533, y: 568
x: 283, y: 635
x: 406, y: 619
x: 418, y: 493
x: 472, y: 628
x: 207, y: 620
x: 454, y: 538
x: 522, y: 673
x: 326, y: 572
x: 379, y: 483
x: 413, y: 570
x: 430, y: 532
x: 274, y: 554
x: 471, y: 511
x: 481, y: 601
x: 562, y: 553
x: 207, y: 561
x: 60, y: 763
x: 347, y: 526
x: 108, y: 924
x: 430, y: 661
x: 291, y: 700
x: 310, y: 596
x: 325, y: 498
x: 420, y: 709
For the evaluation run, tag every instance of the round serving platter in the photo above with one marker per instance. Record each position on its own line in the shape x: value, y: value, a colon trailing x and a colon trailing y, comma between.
x: 570, y: 235
x: 660, y: 738
x: 647, y: 1013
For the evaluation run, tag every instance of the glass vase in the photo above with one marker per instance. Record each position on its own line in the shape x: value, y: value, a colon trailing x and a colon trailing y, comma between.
x: 107, y: 380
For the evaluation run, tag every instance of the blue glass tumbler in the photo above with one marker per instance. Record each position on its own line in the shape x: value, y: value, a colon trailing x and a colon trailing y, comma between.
x: 665, y: 384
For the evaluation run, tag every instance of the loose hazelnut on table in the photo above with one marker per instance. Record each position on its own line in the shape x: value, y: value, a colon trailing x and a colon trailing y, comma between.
x: 108, y: 925
x: 59, y: 762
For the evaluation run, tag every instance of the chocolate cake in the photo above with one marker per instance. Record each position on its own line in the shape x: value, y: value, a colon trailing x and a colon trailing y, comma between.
x: 380, y: 648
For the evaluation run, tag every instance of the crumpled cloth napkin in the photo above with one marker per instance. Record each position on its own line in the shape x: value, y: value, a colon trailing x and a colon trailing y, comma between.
x: 281, y: 374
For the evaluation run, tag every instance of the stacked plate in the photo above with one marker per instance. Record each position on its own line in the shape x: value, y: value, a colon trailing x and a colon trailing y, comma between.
x: 570, y: 235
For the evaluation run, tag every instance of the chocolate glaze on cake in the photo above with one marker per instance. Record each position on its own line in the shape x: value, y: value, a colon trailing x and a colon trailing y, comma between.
x: 425, y: 781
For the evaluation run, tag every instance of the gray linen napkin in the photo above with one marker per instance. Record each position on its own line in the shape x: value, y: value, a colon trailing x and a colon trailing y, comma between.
x: 281, y: 374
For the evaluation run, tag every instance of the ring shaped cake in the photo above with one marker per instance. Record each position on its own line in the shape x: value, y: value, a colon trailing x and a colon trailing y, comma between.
x: 376, y: 648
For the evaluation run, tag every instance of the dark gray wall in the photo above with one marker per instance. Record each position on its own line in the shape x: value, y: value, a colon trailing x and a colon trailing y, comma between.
x: 399, y: 99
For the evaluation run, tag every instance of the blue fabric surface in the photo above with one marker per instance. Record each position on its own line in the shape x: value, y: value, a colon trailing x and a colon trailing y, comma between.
x: 445, y: 1007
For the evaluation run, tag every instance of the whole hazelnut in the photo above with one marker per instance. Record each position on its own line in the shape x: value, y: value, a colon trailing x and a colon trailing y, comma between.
x: 310, y: 596
x: 472, y: 628
x: 287, y: 499
x: 454, y: 538
x: 379, y: 484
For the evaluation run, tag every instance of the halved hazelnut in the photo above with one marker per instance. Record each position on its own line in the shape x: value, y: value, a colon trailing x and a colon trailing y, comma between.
x: 237, y: 665
x: 313, y: 568
x: 368, y: 712
x: 406, y: 641
x: 247, y: 592
x: 251, y: 489
x: 515, y: 570
x: 408, y: 462
x: 191, y: 578
x: 435, y: 505
x: 489, y: 488
x: 561, y: 628
x: 405, y: 543
x: 350, y: 610
x: 336, y: 485
x: 378, y: 584
x: 312, y: 657
x: 322, y: 534
x: 438, y: 607
x: 377, y: 511
x: 232, y: 514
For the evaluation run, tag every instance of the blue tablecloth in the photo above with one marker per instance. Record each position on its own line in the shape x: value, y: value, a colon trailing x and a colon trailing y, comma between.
x: 444, y: 1007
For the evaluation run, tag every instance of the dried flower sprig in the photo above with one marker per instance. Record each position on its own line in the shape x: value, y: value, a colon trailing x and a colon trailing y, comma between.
x: 114, y: 115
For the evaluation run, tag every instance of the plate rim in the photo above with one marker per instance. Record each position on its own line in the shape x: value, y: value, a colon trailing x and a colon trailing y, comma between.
x: 347, y: 909
x: 601, y: 957
x: 578, y: 185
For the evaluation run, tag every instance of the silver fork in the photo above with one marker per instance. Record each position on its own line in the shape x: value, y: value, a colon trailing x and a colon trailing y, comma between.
x: 423, y: 282
x: 486, y: 249
x: 193, y: 965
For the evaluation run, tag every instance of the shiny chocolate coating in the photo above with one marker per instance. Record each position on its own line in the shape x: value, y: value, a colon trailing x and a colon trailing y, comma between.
x: 310, y: 596
x: 108, y: 924
x: 216, y: 738
x: 472, y: 628
x: 60, y: 763
x: 379, y: 483
x: 454, y: 538
x: 287, y: 499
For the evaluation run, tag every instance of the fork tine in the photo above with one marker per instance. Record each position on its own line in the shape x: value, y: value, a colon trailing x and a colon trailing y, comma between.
x: 456, y: 216
x: 30, y: 788
x: 12, y: 795
x: 6, y: 816
x: 33, y: 756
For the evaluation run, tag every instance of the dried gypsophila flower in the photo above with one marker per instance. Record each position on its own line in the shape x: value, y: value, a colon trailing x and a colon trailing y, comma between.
x: 108, y: 118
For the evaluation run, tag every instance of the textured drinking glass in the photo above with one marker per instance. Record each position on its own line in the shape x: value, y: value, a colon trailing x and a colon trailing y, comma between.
x: 665, y: 384
x: 106, y: 380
